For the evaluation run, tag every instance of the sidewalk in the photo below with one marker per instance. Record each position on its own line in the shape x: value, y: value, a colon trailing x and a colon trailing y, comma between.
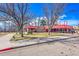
x: 6, y: 43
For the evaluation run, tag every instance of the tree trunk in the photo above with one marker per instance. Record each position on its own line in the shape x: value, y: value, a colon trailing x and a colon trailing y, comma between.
x: 21, y: 32
x: 48, y: 30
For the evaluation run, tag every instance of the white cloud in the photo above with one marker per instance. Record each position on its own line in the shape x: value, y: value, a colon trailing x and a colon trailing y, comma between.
x: 69, y: 22
x: 41, y: 18
x: 63, y: 16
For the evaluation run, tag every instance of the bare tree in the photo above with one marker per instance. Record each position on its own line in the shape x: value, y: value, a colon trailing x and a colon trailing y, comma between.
x: 52, y: 13
x: 18, y: 11
x: 8, y: 19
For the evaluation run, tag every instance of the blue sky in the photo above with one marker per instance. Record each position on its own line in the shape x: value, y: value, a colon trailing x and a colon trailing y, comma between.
x: 37, y: 9
x: 71, y: 12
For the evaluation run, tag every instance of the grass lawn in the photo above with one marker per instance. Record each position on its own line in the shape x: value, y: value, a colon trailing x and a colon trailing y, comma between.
x: 43, y: 34
x: 35, y: 35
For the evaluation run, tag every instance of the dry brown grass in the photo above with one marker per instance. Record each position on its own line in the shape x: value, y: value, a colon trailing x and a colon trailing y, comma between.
x: 36, y: 35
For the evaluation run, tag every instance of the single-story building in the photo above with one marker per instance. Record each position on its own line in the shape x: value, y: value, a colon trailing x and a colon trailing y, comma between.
x: 55, y: 28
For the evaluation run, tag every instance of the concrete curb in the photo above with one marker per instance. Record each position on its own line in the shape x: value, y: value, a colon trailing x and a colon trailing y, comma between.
x: 10, y: 48
x: 5, y: 49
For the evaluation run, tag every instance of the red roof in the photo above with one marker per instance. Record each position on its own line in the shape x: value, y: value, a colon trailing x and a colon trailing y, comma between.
x: 31, y: 27
x: 63, y: 27
x: 55, y: 26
